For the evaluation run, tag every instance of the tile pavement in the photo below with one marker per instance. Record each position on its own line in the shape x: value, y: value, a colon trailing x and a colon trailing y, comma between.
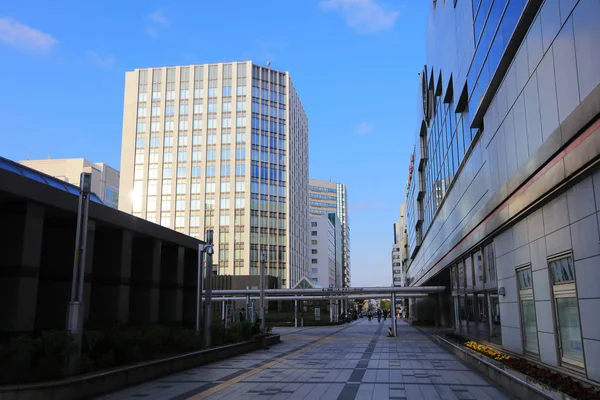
x: 356, y: 361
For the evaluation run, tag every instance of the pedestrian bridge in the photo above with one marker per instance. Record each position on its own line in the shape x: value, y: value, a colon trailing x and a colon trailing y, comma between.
x: 352, y: 361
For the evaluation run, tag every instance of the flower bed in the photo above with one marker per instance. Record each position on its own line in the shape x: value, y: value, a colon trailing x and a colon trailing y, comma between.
x: 545, y: 376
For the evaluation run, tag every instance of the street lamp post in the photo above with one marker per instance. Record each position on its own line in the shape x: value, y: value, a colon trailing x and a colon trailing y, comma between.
x: 209, y: 250
x: 76, y: 308
x: 263, y: 259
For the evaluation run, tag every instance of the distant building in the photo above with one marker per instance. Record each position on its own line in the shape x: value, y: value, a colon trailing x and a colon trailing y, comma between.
x: 326, y: 250
x: 398, y: 250
x: 325, y: 197
x: 105, y: 179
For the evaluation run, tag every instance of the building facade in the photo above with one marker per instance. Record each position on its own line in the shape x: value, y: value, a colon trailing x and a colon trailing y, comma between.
x: 397, y: 272
x: 326, y: 250
x: 501, y: 205
x: 326, y: 197
x: 223, y: 147
x: 105, y: 180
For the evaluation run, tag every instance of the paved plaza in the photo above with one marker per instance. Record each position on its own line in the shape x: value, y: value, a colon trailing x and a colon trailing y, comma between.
x: 352, y: 361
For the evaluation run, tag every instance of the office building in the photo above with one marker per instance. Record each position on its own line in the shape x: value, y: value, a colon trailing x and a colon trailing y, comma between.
x: 326, y: 250
x: 399, y: 250
x: 326, y: 197
x: 222, y: 147
x: 501, y: 206
x: 105, y: 180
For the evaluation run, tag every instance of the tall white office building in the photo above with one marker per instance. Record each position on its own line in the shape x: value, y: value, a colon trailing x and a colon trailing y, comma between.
x: 223, y: 147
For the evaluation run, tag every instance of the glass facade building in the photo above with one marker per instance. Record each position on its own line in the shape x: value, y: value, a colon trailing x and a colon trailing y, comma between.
x: 502, y: 204
x: 223, y: 147
x: 325, y: 197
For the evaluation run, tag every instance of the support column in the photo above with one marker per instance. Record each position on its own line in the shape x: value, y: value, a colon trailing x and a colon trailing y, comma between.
x: 110, y: 286
x: 171, y: 284
x: 20, y: 248
x: 145, y: 280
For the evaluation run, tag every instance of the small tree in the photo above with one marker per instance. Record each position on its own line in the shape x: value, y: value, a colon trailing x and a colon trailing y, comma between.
x: 384, y: 304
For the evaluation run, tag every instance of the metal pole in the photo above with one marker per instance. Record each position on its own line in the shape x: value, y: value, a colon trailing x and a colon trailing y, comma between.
x: 208, y: 303
x: 248, y: 316
x: 84, y: 234
x: 295, y: 313
x: 77, y: 249
x: 393, y: 310
x: 199, y: 288
x: 263, y: 258
x: 76, y: 309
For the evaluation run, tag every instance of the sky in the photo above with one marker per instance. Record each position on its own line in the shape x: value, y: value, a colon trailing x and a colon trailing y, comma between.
x: 354, y: 63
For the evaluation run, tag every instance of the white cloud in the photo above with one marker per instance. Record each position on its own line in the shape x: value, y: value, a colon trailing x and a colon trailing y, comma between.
x: 100, y: 61
x: 157, y: 20
x: 24, y: 38
x: 364, y: 128
x: 365, y: 16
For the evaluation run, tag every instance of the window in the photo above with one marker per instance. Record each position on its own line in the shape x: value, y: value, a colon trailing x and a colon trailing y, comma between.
x: 313, y: 233
x: 211, y: 155
x: 181, y: 172
x: 182, y: 156
x: 240, y: 187
x: 225, y: 154
x: 313, y: 223
x: 224, y: 220
x: 195, y: 172
x: 194, y: 204
x: 313, y: 251
x: 240, y: 121
x: 225, y: 203
x: 314, y: 261
x: 240, y: 106
x: 528, y: 319
x: 139, y: 143
x: 181, y: 188
x: 226, y: 106
x: 562, y: 275
x: 314, y: 242
x: 183, y: 124
x: 195, y: 220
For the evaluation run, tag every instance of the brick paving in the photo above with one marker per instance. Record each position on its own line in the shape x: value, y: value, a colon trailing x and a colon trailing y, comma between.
x: 352, y: 361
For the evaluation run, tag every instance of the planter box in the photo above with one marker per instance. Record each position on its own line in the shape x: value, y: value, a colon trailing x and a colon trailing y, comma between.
x: 513, y: 382
x: 99, y: 383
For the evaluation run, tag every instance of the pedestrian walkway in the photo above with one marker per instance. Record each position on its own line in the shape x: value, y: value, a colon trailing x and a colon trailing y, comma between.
x: 352, y: 361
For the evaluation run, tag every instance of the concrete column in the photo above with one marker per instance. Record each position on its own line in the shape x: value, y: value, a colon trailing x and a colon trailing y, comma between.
x: 145, y: 280
x: 171, y: 284
x: 110, y: 285
x: 21, y: 235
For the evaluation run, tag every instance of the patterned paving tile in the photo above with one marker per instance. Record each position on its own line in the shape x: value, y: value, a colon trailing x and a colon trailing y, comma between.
x: 356, y: 361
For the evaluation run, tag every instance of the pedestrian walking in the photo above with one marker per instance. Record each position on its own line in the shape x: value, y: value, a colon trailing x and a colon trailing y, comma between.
x: 379, y: 315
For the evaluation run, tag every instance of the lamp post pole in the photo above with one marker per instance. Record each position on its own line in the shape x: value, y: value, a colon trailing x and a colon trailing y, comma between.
x: 208, y: 298
x: 76, y: 307
x: 201, y: 248
x: 263, y: 259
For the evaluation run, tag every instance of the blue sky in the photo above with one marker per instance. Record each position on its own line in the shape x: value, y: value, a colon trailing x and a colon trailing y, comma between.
x: 353, y: 62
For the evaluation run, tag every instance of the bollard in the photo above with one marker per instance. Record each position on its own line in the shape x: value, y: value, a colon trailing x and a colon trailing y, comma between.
x: 302, y: 322
x: 390, y: 331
